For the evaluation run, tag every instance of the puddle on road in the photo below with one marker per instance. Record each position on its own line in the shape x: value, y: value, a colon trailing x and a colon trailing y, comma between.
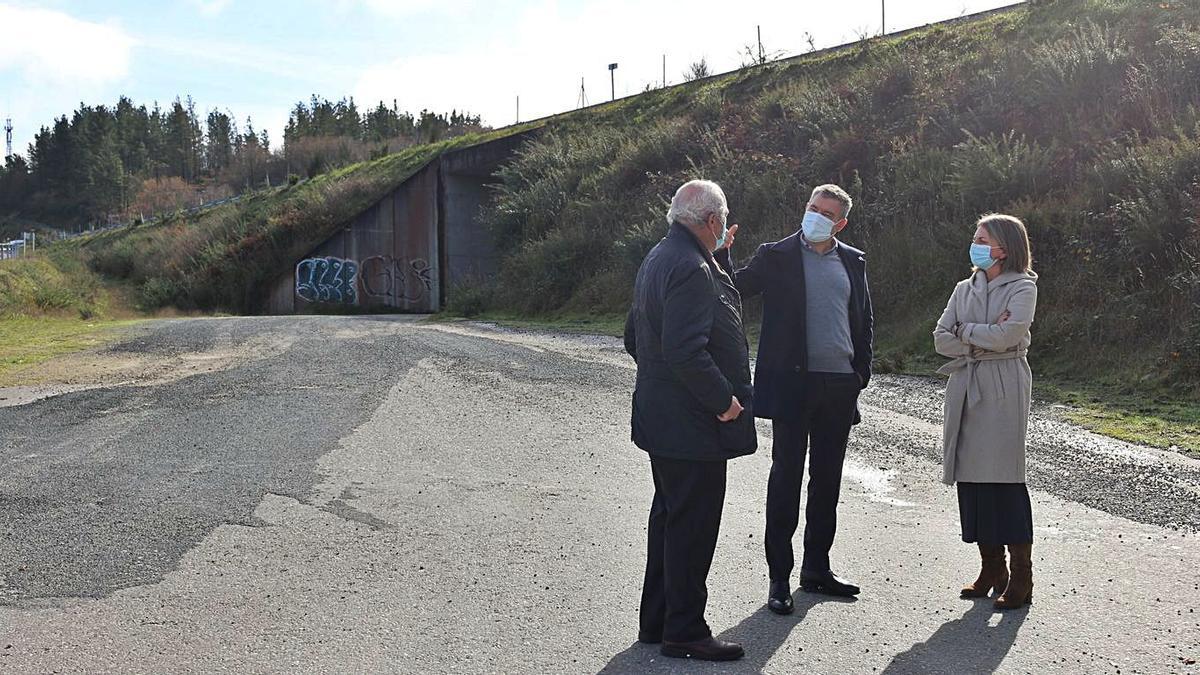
x: 876, y: 482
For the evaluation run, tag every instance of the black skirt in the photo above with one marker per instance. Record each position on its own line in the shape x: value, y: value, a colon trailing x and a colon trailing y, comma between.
x: 995, y: 513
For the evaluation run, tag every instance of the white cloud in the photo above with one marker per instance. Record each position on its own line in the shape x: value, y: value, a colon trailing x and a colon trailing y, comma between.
x: 51, y: 47
x: 50, y: 61
x: 211, y: 7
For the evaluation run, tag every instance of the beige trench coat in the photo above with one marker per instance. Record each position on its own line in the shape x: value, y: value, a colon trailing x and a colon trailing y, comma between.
x: 990, y: 387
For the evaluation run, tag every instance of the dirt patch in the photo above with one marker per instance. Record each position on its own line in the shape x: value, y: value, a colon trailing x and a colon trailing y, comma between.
x: 110, y: 367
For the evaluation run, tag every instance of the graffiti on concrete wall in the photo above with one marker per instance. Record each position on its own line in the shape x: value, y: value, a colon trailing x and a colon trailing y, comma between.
x: 327, y: 279
x: 397, y: 278
x: 336, y: 280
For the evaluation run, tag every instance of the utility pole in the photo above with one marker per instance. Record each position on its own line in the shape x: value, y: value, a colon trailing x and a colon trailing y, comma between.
x: 760, y: 47
x: 518, y: 108
x: 664, y: 70
x: 883, y: 17
x: 612, y: 67
x: 8, y: 138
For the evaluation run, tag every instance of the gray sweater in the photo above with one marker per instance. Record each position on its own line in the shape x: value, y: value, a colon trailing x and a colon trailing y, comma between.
x: 827, y: 298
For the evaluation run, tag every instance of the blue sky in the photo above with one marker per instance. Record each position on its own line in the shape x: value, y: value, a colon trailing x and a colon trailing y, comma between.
x: 259, y: 58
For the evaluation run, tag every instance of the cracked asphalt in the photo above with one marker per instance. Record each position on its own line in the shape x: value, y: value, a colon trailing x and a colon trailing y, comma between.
x: 390, y: 495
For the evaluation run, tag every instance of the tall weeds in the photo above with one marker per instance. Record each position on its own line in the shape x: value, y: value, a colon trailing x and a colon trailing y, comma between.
x: 1079, y: 116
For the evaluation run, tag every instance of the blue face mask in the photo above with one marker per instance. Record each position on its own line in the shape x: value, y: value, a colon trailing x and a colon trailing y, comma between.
x: 817, y: 228
x: 721, y: 239
x: 981, y: 256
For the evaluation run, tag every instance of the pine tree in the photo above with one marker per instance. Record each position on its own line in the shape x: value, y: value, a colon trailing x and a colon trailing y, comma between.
x: 218, y: 142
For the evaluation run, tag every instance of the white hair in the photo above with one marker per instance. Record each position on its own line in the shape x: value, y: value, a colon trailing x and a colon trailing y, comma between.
x: 695, y: 201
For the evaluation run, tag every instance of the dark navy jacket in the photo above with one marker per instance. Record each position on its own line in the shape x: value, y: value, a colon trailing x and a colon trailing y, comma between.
x: 685, y: 332
x: 777, y: 272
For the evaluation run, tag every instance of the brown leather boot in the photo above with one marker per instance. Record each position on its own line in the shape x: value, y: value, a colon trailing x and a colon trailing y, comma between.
x: 993, y: 573
x: 1020, y: 584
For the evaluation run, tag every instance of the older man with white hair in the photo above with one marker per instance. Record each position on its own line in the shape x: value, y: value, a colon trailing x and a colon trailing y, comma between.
x: 691, y: 413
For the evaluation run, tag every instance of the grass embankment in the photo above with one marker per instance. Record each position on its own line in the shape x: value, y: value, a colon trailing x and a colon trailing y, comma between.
x: 1079, y: 116
x: 51, y: 304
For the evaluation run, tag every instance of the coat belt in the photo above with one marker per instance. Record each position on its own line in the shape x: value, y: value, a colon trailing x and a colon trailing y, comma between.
x: 971, y: 363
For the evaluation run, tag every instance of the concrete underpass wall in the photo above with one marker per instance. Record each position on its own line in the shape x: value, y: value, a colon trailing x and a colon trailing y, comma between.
x: 387, y: 257
x: 407, y: 251
x: 470, y: 252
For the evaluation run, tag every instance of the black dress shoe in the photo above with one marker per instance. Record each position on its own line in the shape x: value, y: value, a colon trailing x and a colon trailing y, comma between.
x: 828, y: 583
x: 779, y: 598
x: 708, y: 649
x: 649, y: 638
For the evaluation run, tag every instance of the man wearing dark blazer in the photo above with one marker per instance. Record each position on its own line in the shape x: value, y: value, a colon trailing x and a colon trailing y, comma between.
x: 814, y: 356
x: 691, y: 413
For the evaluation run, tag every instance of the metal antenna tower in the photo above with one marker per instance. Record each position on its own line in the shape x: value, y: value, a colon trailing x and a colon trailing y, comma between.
x: 582, y: 102
x: 7, y: 137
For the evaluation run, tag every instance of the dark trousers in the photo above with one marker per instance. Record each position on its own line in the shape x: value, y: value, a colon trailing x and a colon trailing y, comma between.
x: 821, y: 427
x: 684, y: 519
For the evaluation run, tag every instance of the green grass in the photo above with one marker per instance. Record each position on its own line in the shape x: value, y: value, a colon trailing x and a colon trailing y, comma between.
x: 51, y: 304
x: 26, y: 341
x: 1160, y: 421
x: 42, y: 284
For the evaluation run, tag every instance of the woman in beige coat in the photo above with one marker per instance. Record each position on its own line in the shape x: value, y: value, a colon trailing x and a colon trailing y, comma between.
x: 985, y: 329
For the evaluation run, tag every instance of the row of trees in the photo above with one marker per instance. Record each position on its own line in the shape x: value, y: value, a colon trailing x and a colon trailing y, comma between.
x: 112, y: 163
x: 323, y: 134
x: 321, y: 117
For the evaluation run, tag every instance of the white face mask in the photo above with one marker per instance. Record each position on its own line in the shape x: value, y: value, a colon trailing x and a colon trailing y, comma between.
x: 817, y: 228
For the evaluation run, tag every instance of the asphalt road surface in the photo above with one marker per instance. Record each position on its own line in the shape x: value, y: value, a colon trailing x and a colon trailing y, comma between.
x: 367, y: 494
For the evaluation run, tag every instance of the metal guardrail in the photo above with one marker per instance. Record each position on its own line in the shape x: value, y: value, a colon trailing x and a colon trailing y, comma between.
x: 192, y: 210
x: 12, y: 249
x: 15, y: 248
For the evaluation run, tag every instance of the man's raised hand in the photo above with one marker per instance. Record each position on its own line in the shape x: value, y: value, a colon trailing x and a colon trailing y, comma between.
x: 729, y: 235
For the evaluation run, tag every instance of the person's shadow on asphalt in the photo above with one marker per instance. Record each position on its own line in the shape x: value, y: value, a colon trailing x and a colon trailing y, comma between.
x: 968, y: 644
x: 762, y: 634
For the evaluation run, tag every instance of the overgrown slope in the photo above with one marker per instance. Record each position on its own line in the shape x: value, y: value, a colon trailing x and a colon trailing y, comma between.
x: 51, y: 285
x: 1079, y: 116
x: 222, y: 257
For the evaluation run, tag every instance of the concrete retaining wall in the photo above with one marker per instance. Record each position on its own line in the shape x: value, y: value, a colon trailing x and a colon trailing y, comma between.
x: 407, y: 251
